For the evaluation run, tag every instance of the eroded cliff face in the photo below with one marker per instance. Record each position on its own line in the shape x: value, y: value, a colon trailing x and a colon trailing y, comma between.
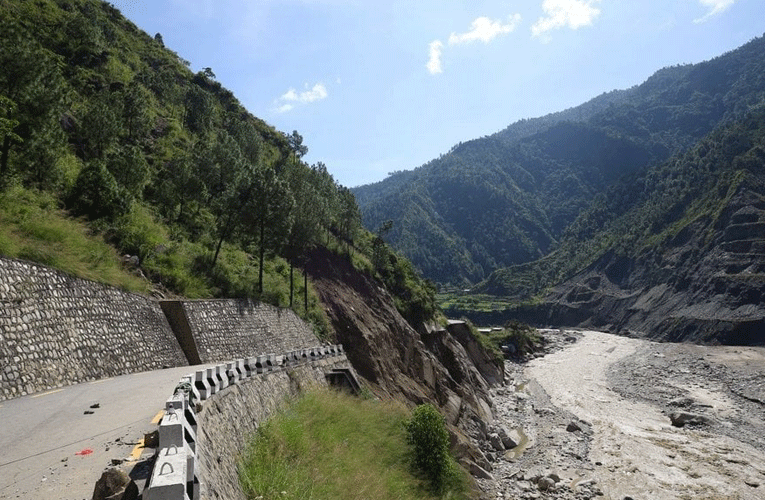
x: 399, y: 362
x: 706, y: 285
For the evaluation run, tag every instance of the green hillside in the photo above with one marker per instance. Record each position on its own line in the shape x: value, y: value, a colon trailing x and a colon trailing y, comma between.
x: 111, y: 146
x: 509, y: 199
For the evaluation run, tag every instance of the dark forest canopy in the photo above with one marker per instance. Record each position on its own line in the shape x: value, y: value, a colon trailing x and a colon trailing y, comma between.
x: 165, y: 163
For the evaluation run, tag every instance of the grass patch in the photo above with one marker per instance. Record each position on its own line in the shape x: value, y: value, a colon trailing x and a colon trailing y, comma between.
x: 330, y: 445
x: 515, y: 340
x: 492, y: 345
x: 33, y: 228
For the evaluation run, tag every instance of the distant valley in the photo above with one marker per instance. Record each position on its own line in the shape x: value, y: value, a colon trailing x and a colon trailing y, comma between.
x: 641, y: 209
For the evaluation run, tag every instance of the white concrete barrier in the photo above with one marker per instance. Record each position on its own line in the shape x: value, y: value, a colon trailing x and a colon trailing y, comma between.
x: 201, y: 386
x: 174, y: 475
x: 170, y: 476
x: 212, y: 380
x: 232, y: 374
x: 250, y: 364
x: 220, y: 375
x: 175, y: 430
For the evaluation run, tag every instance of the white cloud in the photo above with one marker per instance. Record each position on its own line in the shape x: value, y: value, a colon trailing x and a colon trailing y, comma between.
x: 434, y: 60
x: 482, y: 29
x: 292, y: 97
x: 485, y: 30
x: 561, y: 13
x: 715, y: 7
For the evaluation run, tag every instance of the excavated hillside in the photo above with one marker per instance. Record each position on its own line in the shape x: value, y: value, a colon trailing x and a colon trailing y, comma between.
x: 432, y: 365
x: 691, y: 289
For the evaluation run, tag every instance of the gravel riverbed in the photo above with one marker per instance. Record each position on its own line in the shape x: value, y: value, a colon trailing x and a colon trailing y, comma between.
x: 606, y: 416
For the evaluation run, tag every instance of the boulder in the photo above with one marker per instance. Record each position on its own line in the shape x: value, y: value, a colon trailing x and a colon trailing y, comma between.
x: 510, y: 438
x: 496, y: 441
x: 115, y: 484
x: 573, y: 427
x: 681, y: 418
x: 479, y: 472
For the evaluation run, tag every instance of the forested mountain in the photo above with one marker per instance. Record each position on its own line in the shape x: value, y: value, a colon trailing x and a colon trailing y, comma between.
x: 100, y: 121
x: 508, y: 199
x: 675, y: 252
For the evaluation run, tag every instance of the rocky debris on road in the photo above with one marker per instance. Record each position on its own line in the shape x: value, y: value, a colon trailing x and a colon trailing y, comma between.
x: 115, y: 484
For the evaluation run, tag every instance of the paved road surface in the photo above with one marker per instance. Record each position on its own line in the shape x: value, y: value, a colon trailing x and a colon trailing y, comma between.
x: 41, y: 434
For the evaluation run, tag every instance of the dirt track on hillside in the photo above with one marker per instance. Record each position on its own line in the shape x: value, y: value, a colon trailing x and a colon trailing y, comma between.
x: 595, y: 418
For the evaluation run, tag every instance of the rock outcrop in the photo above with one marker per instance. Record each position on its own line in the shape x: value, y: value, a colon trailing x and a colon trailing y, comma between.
x: 397, y: 361
x: 705, y: 285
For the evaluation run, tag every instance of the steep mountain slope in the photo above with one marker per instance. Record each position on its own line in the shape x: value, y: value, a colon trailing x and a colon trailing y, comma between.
x: 676, y: 253
x: 400, y: 362
x: 161, y: 166
x: 506, y: 199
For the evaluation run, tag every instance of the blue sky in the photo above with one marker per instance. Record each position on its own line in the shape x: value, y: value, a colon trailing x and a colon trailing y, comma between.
x: 376, y: 86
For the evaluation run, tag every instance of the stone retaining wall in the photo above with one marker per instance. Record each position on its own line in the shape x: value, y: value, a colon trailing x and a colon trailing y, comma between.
x: 232, y: 328
x: 57, y: 330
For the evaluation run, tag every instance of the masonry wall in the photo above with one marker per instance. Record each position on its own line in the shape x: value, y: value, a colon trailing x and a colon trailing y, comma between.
x: 230, y: 418
x: 58, y: 330
x: 234, y: 328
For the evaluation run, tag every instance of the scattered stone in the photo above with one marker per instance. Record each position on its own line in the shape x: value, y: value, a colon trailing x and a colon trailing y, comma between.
x: 545, y: 484
x: 496, y: 441
x: 682, y: 402
x: 511, y: 439
x: 681, y: 418
x: 151, y: 439
x: 479, y: 472
x: 114, y: 484
x: 573, y: 427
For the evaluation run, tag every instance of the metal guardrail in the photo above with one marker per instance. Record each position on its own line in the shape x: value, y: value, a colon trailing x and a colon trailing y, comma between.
x: 174, y: 476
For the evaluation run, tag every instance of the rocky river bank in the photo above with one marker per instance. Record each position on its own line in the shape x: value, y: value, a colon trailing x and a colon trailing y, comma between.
x: 603, y: 416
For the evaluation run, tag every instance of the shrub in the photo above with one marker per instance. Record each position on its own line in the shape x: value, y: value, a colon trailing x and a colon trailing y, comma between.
x: 96, y: 194
x: 427, y: 434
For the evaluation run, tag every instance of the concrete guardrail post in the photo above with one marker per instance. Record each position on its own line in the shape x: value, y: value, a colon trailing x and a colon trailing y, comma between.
x: 201, y: 386
x: 212, y: 380
x: 178, y: 401
x: 250, y: 364
x: 291, y: 358
x: 221, y: 376
x: 232, y: 374
x: 170, y: 476
x: 274, y: 362
x: 261, y: 363
x: 239, y: 363
x: 174, y: 430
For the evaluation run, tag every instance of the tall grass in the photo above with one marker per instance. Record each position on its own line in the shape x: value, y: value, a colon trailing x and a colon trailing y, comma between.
x: 330, y: 445
x: 32, y: 228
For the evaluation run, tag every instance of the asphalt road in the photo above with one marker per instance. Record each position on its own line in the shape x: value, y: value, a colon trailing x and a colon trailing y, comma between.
x: 45, y: 437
